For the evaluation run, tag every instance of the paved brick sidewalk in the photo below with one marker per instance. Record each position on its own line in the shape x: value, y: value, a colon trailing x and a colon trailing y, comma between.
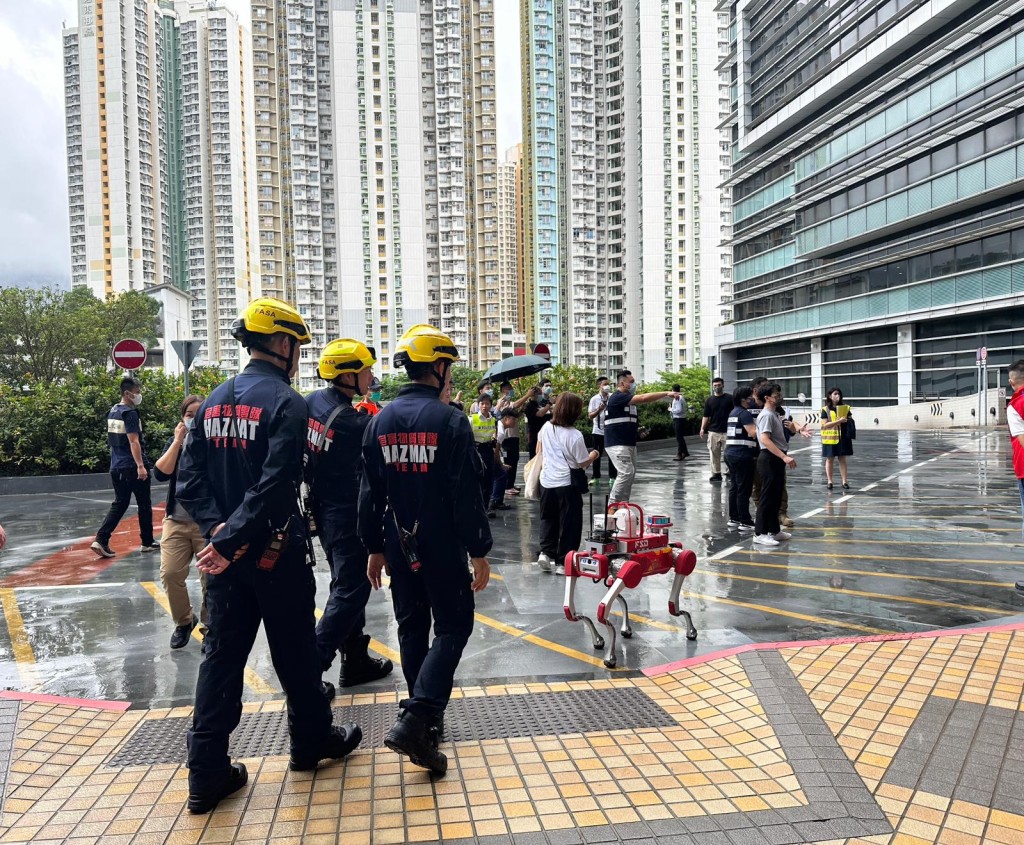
x: 903, y: 740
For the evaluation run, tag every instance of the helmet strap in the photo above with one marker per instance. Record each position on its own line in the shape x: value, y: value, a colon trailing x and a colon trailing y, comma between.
x: 445, y: 366
x: 266, y: 350
x: 350, y: 390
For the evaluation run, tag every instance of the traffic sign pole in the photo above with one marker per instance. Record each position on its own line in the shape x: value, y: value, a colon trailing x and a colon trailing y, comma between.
x: 186, y: 350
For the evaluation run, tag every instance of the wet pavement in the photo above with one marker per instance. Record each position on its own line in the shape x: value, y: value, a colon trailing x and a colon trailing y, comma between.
x: 929, y: 536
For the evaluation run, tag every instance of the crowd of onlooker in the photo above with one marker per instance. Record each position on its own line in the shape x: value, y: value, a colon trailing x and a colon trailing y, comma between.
x: 747, y: 431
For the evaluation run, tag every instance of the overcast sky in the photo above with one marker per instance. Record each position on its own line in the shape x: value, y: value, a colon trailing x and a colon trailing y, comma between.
x: 33, y: 177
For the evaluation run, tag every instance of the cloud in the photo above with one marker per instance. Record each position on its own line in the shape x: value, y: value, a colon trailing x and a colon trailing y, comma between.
x: 33, y: 181
x: 507, y: 48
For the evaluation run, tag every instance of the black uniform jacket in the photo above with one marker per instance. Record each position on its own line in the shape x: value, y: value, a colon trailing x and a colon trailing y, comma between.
x: 242, y: 465
x: 420, y: 462
x: 334, y: 459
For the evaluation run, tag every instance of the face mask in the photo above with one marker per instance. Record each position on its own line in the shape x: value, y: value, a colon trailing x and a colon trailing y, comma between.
x: 190, y: 423
x: 136, y: 399
x: 375, y: 396
x: 547, y: 391
x: 719, y: 390
x: 632, y: 389
x: 604, y: 389
x: 487, y: 393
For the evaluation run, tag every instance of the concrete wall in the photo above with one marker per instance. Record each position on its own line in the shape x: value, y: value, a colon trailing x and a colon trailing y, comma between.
x: 959, y: 412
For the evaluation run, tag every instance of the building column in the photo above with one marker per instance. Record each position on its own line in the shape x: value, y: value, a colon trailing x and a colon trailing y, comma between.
x: 905, y: 364
x: 817, y: 374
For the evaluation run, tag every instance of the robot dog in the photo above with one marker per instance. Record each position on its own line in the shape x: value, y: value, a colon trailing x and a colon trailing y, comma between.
x: 620, y: 554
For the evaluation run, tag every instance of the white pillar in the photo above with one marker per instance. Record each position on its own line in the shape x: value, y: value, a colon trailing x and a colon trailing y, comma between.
x: 817, y: 375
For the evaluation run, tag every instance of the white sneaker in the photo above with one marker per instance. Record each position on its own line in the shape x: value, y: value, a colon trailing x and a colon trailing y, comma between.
x: 545, y: 563
x: 783, y: 535
x: 765, y: 540
x: 732, y: 523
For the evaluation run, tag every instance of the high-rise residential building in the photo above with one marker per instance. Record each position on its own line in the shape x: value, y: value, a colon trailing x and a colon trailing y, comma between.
x: 217, y: 142
x: 879, y: 165
x: 623, y: 162
x: 159, y: 140
x: 115, y: 180
x: 509, y: 221
x: 377, y: 169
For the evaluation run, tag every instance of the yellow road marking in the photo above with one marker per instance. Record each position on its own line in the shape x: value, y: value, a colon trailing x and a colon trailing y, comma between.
x: 252, y: 680
x: 376, y: 646
x: 860, y: 593
x: 864, y: 629
x: 540, y: 641
x: 888, y: 557
x: 986, y: 544
x: 862, y: 572
x: 24, y: 656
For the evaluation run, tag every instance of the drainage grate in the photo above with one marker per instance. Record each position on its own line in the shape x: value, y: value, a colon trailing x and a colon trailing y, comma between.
x: 467, y: 719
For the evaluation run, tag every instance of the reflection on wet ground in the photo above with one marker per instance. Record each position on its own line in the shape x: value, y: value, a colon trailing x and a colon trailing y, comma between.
x: 928, y: 537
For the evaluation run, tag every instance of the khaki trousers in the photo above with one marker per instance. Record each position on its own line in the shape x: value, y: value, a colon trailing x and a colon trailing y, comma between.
x: 179, y: 543
x: 716, y: 446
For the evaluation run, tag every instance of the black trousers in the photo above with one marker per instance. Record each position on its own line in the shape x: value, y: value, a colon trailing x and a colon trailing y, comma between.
x: 741, y: 468
x: 561, y: 521
x: 345, y: 613
x: 680, y: 425
x: 486, y: 452
x: 597, y: 442
x: 511, y: 449
x: 239, y: 599
x: 773, y: 480
x: 127, y: 484
x: 439, y: 592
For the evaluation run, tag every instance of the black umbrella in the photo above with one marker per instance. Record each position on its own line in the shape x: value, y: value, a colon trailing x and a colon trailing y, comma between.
x: 515, y: 367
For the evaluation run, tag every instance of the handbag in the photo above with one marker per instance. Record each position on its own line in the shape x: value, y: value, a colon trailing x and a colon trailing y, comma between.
x: 577, y: 477
x: 531, y: 477
x: 851, y: 427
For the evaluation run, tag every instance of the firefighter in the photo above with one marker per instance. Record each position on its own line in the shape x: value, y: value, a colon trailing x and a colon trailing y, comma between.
x: 420, y: 516
x: 239, y: 480
x: 334, y: 462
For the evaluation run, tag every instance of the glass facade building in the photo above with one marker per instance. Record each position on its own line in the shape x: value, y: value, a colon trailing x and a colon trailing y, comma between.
x: 878, y: 222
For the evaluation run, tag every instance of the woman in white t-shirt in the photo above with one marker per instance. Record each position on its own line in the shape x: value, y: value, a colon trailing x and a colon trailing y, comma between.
x: 561, y: 507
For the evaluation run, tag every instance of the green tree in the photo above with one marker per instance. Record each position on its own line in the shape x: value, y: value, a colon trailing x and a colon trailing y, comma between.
x: 61, y: 427
x: 45, y: 334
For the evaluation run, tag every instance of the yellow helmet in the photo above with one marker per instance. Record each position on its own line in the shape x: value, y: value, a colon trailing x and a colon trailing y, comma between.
x: 424, y: 344
x: 268, y: 316
x: 345, y: 356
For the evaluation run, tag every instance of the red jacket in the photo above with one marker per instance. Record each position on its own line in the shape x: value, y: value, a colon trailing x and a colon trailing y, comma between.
x: 1017, y: 403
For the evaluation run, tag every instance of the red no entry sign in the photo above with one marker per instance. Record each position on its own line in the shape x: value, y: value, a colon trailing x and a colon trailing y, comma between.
x: 129, y: 354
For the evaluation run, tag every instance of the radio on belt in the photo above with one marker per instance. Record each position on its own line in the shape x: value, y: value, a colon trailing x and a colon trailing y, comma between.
x: 623, y: 548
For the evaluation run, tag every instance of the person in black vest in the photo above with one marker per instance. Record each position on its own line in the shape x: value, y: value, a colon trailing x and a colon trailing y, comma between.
x: 421, y: 516
x: 741, y: 451
x: 334, y: 463
x: 130, y: 469
x: 239, y: 480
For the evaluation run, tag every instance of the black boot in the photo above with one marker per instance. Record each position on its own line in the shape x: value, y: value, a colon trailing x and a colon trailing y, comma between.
x: 412, y: 737
x: 341, y: 741
x: 199, y: 803
x: 357, y: 667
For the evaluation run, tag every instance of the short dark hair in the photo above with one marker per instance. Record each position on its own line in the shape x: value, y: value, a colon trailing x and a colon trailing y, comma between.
x: 1017, y: 369
x: 767, y: 389
x: 568, y: 407
x: 544, y: 381
x: 622, y: 374
x: 601, y: 380
x: 742, y: 394
x: 484, y: 397
x: 504, y: 384
x: 717, y: 379
x: 130, y: 384
x: 676, y: 388
x: 190, y: 400
x: 508, y: 411
x: 417, y: 370
x: 757, y: 381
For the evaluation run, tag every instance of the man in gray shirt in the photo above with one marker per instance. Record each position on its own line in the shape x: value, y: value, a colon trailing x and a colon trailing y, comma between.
x: 771, y: 464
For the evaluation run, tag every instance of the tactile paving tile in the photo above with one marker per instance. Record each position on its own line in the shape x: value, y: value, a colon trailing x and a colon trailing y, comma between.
x: 467, y: 719
x: 8, y: 724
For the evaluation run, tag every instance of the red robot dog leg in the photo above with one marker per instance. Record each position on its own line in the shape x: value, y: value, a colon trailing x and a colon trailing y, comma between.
x: 569, y: 605
x: 685, y: 563
x: 629, y: 576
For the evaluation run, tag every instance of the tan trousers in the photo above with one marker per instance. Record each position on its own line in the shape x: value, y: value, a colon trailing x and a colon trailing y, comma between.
x: 716, y: 446
x: 179, y: 543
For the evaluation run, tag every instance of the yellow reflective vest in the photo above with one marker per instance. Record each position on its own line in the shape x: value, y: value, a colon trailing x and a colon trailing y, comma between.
x: 484, y: 428
x: 830, y: 436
